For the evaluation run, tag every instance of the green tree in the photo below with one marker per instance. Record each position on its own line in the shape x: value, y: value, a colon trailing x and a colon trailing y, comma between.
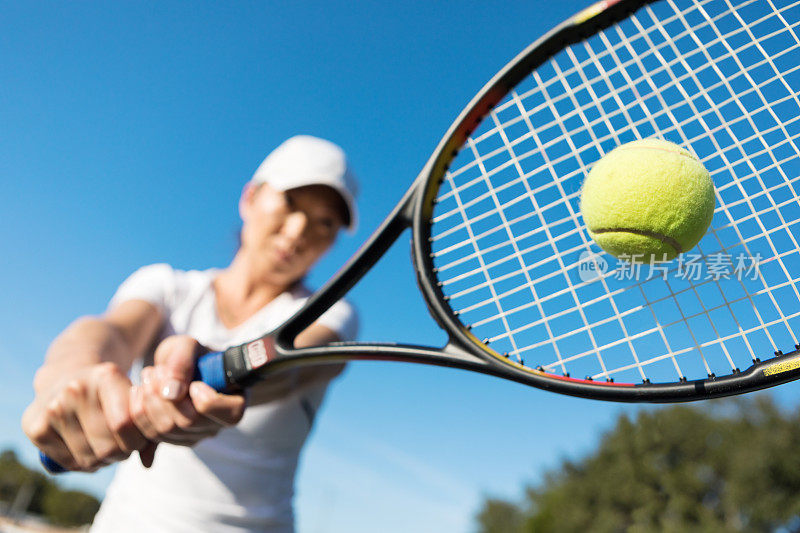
x: 499, y: 515
x: 14, y: 475
x: 70, y: 507
x: 64, y: 508
x: 730, y: 465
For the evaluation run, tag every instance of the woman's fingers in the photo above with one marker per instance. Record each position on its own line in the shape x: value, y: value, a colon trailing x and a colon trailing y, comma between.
x: 62, y: 413
x: 225, y: 409
x: 114, y: 395
x: 85, y: 422
x: 175, y: 360
x: 204, y: 413
x: 169, y: 407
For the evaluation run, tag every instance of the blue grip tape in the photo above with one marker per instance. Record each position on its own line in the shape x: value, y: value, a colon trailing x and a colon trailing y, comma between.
x: 211, y: 371
x: 50, y: 465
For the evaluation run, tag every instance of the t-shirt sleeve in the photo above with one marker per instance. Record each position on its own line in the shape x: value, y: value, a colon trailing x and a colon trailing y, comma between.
x: 343, y: 319
x: 152, y: 283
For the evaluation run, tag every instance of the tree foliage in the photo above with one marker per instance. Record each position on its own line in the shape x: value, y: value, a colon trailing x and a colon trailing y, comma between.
x: 60, y: 507
x: 69, y: 507
x: 731, y: 465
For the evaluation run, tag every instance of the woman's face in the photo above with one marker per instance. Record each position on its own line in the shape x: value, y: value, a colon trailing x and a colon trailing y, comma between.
x: 288, y: 231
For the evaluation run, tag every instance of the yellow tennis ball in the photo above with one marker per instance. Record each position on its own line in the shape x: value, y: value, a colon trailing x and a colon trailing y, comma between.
x: 649, y: 200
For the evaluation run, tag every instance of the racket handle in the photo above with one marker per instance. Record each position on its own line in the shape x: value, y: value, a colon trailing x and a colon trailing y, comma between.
x: 209, y: 368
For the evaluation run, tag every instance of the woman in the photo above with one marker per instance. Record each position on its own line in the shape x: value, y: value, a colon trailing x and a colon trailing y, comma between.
x: 205, y: 462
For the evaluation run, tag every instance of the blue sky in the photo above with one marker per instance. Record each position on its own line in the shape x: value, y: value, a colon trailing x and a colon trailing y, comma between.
x: 127, y: 133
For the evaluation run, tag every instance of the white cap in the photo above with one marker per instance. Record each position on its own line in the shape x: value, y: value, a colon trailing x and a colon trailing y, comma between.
x: 305, y: 160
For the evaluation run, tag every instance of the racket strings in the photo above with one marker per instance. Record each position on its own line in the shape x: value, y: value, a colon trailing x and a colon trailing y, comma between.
x: 517, y: 352
x: 510, y: 247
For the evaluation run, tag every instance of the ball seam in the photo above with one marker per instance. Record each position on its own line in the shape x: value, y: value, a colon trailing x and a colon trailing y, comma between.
x: 663, y: 238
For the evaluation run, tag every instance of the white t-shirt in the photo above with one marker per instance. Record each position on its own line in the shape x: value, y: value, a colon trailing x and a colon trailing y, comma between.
x: 241, y: 479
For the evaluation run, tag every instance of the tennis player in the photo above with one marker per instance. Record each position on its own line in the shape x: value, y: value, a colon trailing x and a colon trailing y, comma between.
x: 205, y: 463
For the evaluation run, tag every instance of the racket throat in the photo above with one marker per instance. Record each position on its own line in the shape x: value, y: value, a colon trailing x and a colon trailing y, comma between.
x: 243, y: 362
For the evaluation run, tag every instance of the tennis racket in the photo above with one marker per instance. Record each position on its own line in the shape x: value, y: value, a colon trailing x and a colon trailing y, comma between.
x: 503, y: 258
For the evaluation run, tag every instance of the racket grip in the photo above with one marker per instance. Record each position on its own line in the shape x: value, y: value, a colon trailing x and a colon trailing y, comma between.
x: 209, y: 368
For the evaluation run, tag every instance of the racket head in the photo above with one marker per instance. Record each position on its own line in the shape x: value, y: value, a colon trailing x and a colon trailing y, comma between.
x: 500, y: 246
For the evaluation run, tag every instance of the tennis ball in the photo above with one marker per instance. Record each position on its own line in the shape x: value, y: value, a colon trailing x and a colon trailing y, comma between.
x: 649, y: 200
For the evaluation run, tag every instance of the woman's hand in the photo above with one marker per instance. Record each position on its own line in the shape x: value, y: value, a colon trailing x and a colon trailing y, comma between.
x: 169, y: 407
x: 83, y: 420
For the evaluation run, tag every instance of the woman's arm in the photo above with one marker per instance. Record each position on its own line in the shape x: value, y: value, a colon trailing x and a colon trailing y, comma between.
x: 120, y: 336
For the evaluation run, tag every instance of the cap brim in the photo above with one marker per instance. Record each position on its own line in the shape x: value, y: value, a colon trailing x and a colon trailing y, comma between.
x: 293, y: 182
